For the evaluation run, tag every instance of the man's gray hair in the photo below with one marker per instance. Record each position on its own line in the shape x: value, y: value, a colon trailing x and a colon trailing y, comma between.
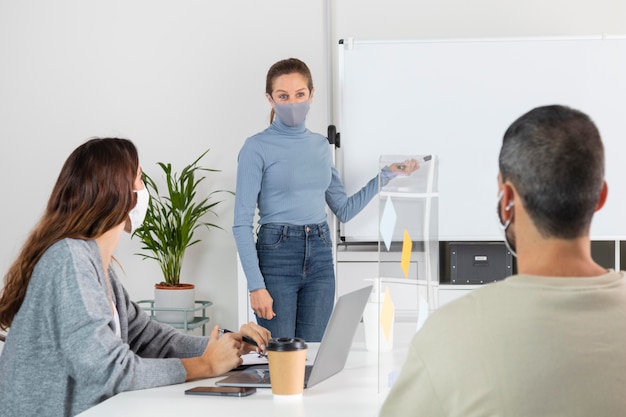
x: 554, y: 157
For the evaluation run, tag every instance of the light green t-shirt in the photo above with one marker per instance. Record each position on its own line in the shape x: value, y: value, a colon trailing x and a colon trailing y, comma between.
x: 526, y: 346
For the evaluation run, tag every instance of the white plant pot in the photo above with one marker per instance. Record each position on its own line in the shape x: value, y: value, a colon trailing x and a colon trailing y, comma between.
x: 182, y: 297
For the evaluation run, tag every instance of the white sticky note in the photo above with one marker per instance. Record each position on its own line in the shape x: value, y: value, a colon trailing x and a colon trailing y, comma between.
x: 388, y: 222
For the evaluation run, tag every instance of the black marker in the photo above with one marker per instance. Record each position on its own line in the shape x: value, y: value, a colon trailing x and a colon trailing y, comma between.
x: 425, y: 159
x: 245, y: 338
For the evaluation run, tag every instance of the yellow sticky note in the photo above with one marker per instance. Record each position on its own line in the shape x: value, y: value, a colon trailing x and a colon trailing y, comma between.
x: 386, y: 315
x: 407, y: 248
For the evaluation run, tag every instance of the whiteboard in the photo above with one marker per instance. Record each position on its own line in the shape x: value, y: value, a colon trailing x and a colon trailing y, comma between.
x: 455, y: 99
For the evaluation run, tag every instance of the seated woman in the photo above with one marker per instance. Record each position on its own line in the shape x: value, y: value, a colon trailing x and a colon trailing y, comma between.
x: 75, y: 336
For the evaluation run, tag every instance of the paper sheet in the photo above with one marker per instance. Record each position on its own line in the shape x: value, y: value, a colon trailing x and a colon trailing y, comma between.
x: 253, y: 358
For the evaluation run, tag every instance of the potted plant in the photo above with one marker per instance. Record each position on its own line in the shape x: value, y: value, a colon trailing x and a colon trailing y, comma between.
x: 169, y: 229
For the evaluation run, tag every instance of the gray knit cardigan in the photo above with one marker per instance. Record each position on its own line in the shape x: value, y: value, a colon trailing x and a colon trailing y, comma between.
x: 62, y: 355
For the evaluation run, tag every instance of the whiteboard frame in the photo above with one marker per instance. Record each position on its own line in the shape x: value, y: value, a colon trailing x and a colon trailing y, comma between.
x: 609, y: 215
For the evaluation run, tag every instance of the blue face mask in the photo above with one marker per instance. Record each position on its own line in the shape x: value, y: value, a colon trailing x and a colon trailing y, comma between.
x: 292, y: 114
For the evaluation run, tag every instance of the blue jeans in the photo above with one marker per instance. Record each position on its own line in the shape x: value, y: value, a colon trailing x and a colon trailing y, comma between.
x: 297, y: 265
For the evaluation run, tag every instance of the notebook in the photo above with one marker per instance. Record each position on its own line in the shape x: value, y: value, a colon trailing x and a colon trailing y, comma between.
x: 333, y: 349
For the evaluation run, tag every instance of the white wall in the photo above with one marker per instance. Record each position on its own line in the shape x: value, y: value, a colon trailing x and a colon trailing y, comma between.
x: 176, y: 77
x: 413, y: 19
x: 423, y: 19
x: 180, y: 76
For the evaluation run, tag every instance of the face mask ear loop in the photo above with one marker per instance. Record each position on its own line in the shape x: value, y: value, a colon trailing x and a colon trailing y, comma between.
x: 506, y: 241
x: 506, y: 224
x: 507, y: 208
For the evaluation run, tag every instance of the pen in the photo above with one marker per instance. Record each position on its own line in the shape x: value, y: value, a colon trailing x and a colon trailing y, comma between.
x: 245, y: 338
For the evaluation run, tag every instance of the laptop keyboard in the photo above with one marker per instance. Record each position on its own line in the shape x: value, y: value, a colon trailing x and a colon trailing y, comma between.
x: 264, y: 374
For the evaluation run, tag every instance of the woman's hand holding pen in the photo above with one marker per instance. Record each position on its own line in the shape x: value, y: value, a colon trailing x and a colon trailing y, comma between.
x: 221, y: 355
x: 406, y: 167
x: 253, y: 336
x: 224, y: 350
x: 252, y: 332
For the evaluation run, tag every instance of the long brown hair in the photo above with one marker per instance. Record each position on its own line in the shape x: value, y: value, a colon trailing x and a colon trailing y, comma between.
x: 93, y: 194
x: 284, y: 67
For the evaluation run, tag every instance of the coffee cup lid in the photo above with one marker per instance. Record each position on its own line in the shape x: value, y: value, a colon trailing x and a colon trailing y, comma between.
x: 286, y: 344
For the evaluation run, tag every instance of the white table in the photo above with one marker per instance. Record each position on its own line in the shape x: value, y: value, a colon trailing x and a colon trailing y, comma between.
x: 354, y: 391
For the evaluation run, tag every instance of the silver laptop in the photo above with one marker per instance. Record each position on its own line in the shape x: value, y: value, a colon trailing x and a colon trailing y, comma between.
x: 332, y: 353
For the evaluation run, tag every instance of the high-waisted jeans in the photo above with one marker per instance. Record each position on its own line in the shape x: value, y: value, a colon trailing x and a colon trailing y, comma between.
x: 297, y: 265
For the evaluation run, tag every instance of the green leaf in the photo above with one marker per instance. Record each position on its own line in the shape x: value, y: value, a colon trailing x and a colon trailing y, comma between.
x: 174, y: 217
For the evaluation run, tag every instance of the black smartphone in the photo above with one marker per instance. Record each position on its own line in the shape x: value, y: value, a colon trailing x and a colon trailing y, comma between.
x: 224, y: 391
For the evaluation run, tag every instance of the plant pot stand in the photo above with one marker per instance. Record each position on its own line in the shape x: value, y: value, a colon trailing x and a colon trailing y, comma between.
x: 186, y: 325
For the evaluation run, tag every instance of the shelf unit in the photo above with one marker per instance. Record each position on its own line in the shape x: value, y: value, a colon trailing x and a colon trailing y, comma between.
x: 186, y: 325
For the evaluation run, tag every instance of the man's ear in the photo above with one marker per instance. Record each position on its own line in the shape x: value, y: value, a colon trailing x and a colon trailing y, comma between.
x: 507, y: 200
x: 603, y: 194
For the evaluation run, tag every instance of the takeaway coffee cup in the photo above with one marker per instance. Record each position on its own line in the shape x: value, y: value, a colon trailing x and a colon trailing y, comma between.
x: 287, y: 360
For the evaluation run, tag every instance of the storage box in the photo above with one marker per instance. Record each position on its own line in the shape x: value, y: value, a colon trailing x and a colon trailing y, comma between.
x: 473, y: 263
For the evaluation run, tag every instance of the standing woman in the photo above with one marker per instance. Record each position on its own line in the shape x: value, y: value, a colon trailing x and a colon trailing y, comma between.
x: 287, y: 171
x: 75, y: 337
